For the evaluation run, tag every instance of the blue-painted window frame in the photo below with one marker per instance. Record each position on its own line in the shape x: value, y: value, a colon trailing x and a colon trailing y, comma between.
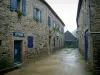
x: 41, y: 16
x: 24, y: 7
x: 49, y: 21
x: 14, y: 6
x: 36, y: 14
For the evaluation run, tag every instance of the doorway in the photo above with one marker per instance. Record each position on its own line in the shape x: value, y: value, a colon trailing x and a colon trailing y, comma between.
x: 50, y: 44
x: 17, y: 51
x: 86, y: 45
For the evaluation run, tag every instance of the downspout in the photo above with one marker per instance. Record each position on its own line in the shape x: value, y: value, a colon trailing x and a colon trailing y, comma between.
x: 90, y: 20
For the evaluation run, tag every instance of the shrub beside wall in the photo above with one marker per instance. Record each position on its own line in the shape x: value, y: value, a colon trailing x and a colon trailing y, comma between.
x: 71, y: 44
x: 5, y: 62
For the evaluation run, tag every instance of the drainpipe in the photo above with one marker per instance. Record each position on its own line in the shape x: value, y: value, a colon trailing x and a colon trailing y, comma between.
x: 90, y: 20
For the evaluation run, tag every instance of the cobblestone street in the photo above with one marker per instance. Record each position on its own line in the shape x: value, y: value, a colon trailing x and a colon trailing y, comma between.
x: 67, y: 61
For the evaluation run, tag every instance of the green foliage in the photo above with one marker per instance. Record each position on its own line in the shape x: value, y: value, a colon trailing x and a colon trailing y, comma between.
x: 19, y: 13
x: 71, y: 44
x: 56, y: 29
x: 5, y: 62
x: 37, y: 19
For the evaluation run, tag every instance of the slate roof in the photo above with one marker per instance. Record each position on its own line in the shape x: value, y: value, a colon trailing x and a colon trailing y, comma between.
x: 69, y: 37
x: 78, y: 9
x: 43, y: 1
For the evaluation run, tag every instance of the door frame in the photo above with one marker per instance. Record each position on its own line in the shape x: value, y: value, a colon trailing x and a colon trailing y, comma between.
x: 86, y: 45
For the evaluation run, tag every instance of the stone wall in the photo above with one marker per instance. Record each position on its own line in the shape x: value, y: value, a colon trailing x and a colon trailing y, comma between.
x: 95, y: 15
x: 83, y: 24
x: 96, y: 53
x: 95, y: 28
x: 89, y: 19
x: 9, y: 23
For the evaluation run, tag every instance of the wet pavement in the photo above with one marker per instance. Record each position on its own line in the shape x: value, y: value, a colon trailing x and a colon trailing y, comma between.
x: 67, y: 61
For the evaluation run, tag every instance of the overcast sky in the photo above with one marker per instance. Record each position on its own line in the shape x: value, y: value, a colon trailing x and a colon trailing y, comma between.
x: 66, y: 10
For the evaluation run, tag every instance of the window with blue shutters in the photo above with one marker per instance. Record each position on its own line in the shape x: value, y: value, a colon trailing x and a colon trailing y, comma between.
x: 30, y: 42
x: 24, y: 7
x: 36, y: 14
x: 40, y: 16
x: 49, y: 21
x: 54, y: 24
x: 15, y: 5
x: 62, y: 30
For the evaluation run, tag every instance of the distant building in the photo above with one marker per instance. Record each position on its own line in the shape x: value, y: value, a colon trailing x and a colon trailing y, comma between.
x: 88, y: 25
x: 28, y: 28
x: 70, y: 40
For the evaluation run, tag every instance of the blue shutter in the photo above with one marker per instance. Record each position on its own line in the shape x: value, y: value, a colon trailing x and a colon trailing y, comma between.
x: 30, y: 42
x: 59, y: 28
x: 49, y: 21
x: 24, y: 7
x: 35, y: 13
x: 62, y: 30
x: 13, y: 5
x: 40, y: 16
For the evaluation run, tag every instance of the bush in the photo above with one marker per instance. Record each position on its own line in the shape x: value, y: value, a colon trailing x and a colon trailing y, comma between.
x: 71, y: 44
x: 5, y: 62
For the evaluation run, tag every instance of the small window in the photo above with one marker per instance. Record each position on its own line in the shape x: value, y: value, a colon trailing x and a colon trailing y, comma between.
x: 49, y: 21
x: 62, y: 30
x: 41, y: 16
x: 18, y: 5
x: 0, y: 42
x: 36, y: 14
x: 54, y: 24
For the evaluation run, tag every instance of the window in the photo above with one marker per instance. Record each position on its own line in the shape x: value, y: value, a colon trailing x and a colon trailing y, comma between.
x: 30, y: 42
x: 59, y: 28
x: 62, y: 30
x: 36, y: 14
x: 0, y: 42
x: 54, y: 26
x: 24, y: 7
x: 40, y: 16
x: 17, y: 5
x: 49, y: 21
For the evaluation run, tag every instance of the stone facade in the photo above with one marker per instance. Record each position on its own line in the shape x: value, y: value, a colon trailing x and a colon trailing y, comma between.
x: 88, y: 18
x: 43, y: 35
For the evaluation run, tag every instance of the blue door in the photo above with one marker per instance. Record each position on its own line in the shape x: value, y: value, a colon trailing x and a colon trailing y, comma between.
x: 17, y: 51
x: 86, y: 45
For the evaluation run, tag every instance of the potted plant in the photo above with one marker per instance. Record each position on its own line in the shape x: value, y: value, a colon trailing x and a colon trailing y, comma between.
x: 19, y: 13
x: 37, y: 19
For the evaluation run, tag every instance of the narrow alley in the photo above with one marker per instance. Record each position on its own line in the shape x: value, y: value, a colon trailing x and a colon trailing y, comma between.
x: 67, y: 61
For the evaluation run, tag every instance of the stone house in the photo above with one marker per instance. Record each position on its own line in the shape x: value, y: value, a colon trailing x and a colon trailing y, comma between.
x: 29, y: 28
x: 70, y: 40
x: 88, y: 20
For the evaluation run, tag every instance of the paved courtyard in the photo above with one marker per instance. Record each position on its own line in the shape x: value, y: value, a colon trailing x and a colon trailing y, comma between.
x: 67, y: 61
